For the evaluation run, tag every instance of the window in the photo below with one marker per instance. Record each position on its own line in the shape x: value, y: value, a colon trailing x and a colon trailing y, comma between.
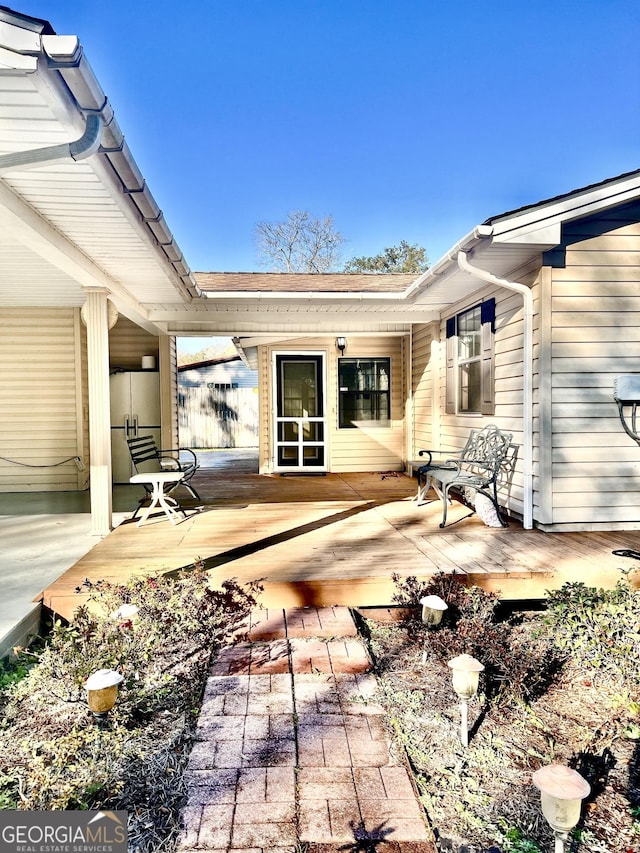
x: 470, y: 338
x: 364, y: 392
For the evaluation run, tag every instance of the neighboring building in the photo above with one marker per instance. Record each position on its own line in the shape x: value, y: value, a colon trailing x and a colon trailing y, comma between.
x: 218, y: 404
x: 525, y: 322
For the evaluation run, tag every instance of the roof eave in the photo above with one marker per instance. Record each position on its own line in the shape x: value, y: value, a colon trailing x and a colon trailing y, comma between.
x: 77, y: 92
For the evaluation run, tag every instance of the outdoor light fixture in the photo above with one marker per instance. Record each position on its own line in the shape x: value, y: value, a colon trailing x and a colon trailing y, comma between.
x: 465, y: 674
x: 341, y: 344
x: 126, y: 611
x: 432, y: 609
x: 561, y: 793
x: 102, y: 692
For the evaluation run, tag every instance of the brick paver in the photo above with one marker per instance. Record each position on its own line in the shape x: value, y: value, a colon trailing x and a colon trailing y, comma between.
x: 291, y: 746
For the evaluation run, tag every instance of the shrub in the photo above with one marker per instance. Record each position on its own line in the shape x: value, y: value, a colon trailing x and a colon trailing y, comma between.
x: 598, y: 628
x: 514, y: 669
x: 52, y: 755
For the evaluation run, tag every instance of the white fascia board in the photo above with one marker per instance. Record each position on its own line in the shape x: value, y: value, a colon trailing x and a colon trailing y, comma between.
x: 252, y: 326
x: 543, y: 238
x: 301, y: 296
x: 554, y: 213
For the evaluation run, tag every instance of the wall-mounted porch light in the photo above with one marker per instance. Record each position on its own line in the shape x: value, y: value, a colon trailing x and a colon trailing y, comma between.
x: 465, y: 675
x: 561, y: 793
x: 102, y: 692
x: 341, y: 344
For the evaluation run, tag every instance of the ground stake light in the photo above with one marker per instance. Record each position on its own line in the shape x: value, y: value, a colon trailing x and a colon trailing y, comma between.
x: 562, y: 791
x: 433, y: 608
x: 465, y: 674
x: 102, y: 692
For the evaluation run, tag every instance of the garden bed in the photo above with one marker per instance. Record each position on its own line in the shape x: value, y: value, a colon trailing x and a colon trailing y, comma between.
x: 560, y: 686
x: 55, y: 755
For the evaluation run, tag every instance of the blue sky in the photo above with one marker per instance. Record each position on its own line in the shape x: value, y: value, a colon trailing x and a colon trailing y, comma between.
x: 404, y: 119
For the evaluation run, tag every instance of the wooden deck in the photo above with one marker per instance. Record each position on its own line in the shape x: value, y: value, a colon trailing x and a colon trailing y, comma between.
x: 337, y: 540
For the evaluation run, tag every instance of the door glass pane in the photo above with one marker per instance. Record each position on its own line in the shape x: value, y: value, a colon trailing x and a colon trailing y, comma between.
x: 299, y: 389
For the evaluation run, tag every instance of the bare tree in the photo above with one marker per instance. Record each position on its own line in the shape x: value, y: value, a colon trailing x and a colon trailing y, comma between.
x: 301, y: 243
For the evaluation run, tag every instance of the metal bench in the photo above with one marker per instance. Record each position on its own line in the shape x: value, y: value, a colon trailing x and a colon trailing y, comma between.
x: 476, y: 467
x: 148, y: 458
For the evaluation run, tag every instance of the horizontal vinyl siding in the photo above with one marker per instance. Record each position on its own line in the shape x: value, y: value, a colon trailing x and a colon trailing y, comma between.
x: 424, y: 350
x: 40, y: 424
x: 595, y: 336
x: 128, y: 343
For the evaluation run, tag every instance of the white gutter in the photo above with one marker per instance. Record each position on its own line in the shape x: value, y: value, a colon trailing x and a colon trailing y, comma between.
x: 527, y: 362
x: 311, y: 295
x: 480, y: 232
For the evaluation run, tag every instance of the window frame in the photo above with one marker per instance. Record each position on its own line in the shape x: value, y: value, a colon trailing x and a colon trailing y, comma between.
x: 381, y: 364
x: 485, y: 358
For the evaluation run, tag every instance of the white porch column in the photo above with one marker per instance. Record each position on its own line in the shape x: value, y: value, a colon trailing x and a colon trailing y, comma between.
x: 95, y: 313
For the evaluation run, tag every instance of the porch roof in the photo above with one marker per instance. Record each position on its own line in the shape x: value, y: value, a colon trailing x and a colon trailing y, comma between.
x: 75, y: 210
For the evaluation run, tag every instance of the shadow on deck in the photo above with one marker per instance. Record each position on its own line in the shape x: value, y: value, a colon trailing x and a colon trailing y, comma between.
x: 338, y: 539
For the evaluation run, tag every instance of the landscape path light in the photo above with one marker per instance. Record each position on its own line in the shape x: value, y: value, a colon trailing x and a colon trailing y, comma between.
x: 433, y: 608
x: 562, y: 791
x: 466, y: 675
x: 102, y: 692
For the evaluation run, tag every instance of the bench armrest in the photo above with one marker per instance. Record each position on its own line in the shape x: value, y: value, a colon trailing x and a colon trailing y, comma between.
x: 432, y: 453
x: 172, y: 462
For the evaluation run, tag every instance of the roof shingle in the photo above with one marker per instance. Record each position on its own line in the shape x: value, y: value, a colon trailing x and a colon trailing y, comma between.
x: 269, y: 282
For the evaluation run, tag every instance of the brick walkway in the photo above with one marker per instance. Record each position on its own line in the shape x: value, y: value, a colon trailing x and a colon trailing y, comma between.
x: 291, y: 751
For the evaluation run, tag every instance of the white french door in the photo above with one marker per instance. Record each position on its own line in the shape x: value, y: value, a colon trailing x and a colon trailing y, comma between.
x: 300, y: 427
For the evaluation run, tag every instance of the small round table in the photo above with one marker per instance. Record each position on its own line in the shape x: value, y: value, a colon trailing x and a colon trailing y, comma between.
x: 158, y: 480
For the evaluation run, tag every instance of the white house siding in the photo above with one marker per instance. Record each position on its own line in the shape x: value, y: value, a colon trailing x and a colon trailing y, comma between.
x: 41, y: 420
x: 360, y: 449
x: 433, y: 428
x: 424, y: 369
x: 128, y: 343
x: 594, y: 336
x: 168, y: 362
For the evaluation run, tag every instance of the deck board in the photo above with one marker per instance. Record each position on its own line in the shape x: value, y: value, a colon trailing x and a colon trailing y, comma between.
x: 337, y: 540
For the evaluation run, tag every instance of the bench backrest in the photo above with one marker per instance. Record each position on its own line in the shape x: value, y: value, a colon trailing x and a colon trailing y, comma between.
x: 143, y: 449
x: 484, y: 453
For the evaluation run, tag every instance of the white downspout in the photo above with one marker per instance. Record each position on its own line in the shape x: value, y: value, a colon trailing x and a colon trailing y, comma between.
x: 527, y: 362
x: 79, y: 149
